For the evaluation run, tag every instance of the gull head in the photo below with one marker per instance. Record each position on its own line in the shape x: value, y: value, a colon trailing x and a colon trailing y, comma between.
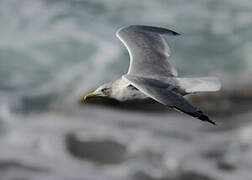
x: 100, y: 94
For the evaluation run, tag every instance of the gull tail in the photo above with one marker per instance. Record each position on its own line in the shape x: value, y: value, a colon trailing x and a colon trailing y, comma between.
x: 201, y: 84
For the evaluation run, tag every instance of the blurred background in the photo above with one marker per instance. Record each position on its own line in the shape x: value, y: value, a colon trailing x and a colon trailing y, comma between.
x: 54, y: 51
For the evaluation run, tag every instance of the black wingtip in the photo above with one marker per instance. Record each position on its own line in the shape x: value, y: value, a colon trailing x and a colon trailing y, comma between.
x: 205, y: 118
x: 176, y: 33
x: 154, y: 29
x: 212, y: 122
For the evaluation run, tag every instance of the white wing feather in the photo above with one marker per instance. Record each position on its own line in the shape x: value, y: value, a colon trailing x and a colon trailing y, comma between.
x: 200, y: 84
x: 148, y: 50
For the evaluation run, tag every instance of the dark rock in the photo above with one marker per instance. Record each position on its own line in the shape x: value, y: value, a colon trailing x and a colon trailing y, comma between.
x: 225, y: 166
x: 102, y: 151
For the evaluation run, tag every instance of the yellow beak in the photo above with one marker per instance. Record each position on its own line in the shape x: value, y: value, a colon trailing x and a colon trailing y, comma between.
x: 92, y: 98
x: 89, y: 95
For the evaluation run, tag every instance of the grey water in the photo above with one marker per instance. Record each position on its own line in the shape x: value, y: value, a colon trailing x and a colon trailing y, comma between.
x: 54, y: 51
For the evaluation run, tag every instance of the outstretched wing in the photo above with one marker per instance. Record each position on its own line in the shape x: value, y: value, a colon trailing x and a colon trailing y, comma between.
x: 148, y: 50
x: 165, y: 94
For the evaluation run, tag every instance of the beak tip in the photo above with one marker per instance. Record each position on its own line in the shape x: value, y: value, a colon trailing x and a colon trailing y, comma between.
x: 87, y: 96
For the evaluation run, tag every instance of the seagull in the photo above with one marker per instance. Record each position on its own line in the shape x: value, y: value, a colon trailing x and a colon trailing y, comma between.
x: 151, y: 76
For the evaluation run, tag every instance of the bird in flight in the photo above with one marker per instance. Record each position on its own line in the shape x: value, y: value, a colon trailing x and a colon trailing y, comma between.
x: 151, y: 75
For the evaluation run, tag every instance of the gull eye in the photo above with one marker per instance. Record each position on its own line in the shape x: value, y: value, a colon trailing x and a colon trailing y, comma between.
x: 104, y: 90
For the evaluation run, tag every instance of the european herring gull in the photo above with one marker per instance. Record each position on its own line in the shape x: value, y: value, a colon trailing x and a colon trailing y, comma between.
x: 150, y: 74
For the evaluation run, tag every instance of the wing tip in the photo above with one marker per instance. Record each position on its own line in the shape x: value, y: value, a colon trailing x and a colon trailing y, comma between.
x: 159, y: 30
x: 206, y: 118
x: 175, y: 33
x: 119, y: 29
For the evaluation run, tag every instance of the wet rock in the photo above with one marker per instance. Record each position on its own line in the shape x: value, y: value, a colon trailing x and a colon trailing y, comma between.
x: 102, y: 151
x: 225, y: 166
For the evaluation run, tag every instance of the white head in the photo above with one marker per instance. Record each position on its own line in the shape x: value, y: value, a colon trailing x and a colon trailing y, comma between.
x: 104, y: 90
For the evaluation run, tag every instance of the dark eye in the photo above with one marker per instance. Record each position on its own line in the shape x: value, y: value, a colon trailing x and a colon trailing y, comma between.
x: 104, y: 90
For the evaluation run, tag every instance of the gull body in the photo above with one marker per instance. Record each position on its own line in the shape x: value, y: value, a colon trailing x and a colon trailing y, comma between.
x: 151, y: 76
x: 122, y: 90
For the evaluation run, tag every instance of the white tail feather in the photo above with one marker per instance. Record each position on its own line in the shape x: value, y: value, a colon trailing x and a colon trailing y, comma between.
x: 200, y: 84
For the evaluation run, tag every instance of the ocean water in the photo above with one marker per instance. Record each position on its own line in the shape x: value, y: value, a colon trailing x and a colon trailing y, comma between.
x: 54, y: 51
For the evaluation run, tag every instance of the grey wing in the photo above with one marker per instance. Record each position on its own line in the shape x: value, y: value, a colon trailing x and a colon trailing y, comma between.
x: 163, y: 93
x: 148, y: 50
